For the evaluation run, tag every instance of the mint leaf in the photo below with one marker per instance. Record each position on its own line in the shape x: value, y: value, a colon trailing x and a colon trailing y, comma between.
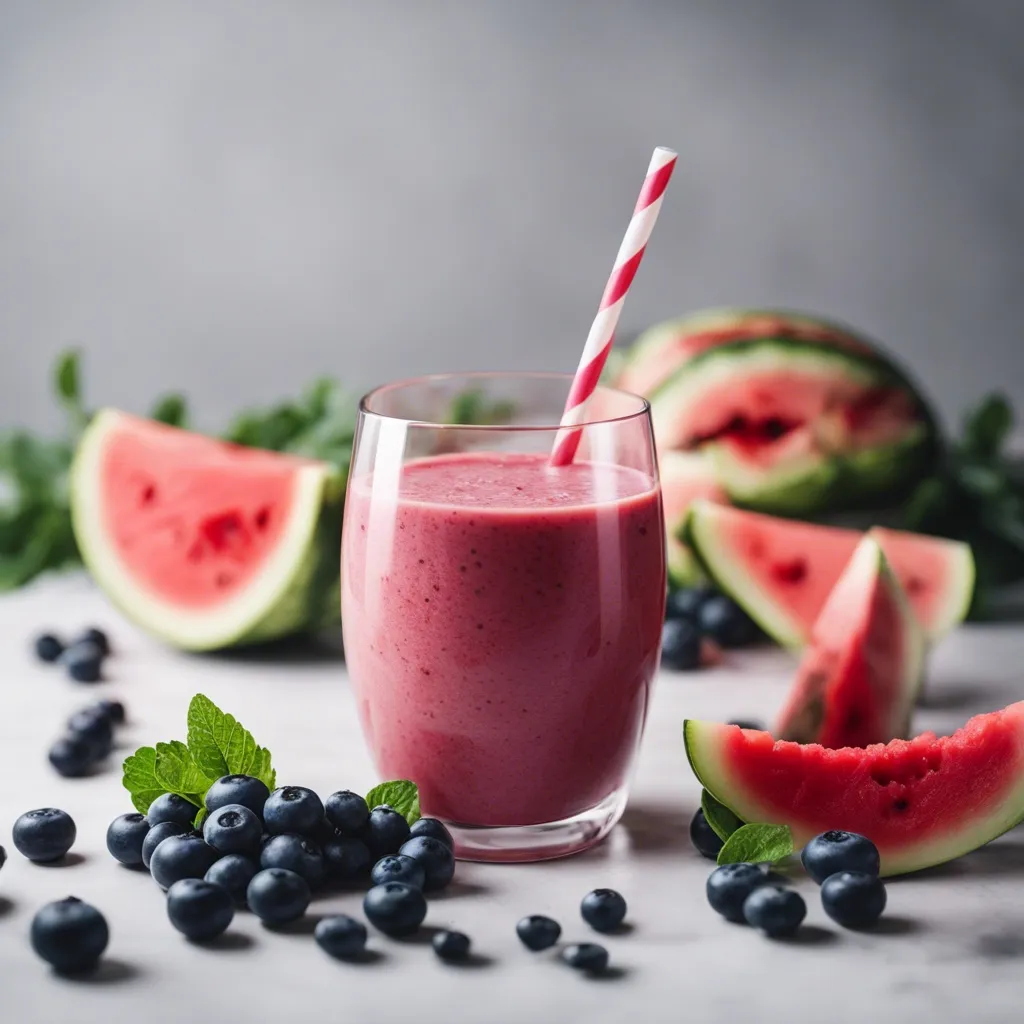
x: 170, y: 409
x: 197, y: 824
x: 722, y: 821
x: 221, y: 745
x: 140, y: 778
x: 756, y: 844
x: 987, y: 427
x: 178, y: 773
x: 401, y: 795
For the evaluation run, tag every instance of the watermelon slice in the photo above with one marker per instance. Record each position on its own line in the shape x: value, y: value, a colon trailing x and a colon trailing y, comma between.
x: 921, y: 802
x: 203, y: 543
x: 781, y: 571
x: 862, y: 671
x: 794, y: 426
x: 685, y: 476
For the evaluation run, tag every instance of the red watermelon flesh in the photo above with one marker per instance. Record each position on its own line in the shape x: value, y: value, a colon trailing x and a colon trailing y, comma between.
x: 861, y: 673
x: 193, y: 537
x: 922, y: 801
x: 782, y: 570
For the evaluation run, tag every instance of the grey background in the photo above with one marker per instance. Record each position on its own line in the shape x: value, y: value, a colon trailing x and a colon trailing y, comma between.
x: 231, y: 197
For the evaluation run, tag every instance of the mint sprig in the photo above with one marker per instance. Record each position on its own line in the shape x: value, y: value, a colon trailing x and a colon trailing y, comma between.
x: 722, y: 821
x: 218, y: 744
x: 757, y: 843
x: 400, y: 795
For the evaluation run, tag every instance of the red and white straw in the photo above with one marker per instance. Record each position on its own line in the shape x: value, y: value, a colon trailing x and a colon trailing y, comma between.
x: 602, y: 331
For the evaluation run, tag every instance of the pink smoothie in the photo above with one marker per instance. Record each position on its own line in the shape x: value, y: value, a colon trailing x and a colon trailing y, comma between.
x: 502, y: 622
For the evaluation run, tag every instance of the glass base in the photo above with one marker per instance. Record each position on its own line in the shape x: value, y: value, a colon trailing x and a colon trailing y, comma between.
x: 509, y: 844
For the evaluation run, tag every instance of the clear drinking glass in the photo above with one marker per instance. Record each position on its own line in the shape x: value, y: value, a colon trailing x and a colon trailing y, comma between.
x: 502, y: 618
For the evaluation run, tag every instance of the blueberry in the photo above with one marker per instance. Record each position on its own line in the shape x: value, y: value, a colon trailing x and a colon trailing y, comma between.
x: 726, y: 622
x: 586, y: 956
x: 3, y: 856
x: 395, y: 908
x: 704, y: 837
x: 323, y: 833
x: 776, y: 911
x: 836, y: 851
x: 685, y: 603
x: 451, y: 946
x: 70, y: 935
x: 603, y: 909
x: 233, y: 829
x: 113, y: 709
x: 537, y: 932
x: 437, y: 860
x: 171, y: 807
x: 341, y: 936
x: 384, y: 831
x: 125, y: 836
x: 234, y: 873
x: 199, y: 909
x: 95, y: 636
x: 680, y: 645
x: 72, y: 756
x: 347, y: 859
x: 94, y: 727
x: 292, y: 809
x: 398, y: 868
x: 347, y: 811
x: 729, y: 885
x: 84, y: 662
x: 277, y: 896
x: 237, y: 789
x: 296, y: 854
x: 157, y: 834
x: 433, y: 828
x: 177, y: 857
x: 44, y: 834
x: 854, y: 899
x: 48, y: 648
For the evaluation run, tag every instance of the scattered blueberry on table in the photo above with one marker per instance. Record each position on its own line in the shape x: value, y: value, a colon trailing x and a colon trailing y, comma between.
x: 277, y: 896
x: 451, y: 946
x: 72, y: 756
x: 48, y: 648
x: 538, y: 932
x: 836, y: 851
x: 395, y: 908
x: 84, y: 662
x: 341, y: 936
x: 680, y: 645
x: 704, y: 838
x: 729, y: 886
x: 603, y: 909
x: 695, y: 613
x: 586, y: 956
x: 200, y: 910
x: 70, y: 935
x: 775, y: 910
x: 45, y: 834
x: 854, y: 899
x: 126, y: 835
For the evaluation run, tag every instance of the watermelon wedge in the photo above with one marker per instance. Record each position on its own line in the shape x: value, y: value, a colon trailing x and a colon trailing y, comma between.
x: 203, y: 543
x: 685, y: 476
x: 781, y: 571
x: 862, y: 670
x: 922, y: 801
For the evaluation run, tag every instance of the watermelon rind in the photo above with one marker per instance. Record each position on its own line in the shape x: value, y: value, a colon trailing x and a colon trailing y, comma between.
x: 294, y: 591
x: 837, y: 627
x: 693, y: 472
x: 979, y: 823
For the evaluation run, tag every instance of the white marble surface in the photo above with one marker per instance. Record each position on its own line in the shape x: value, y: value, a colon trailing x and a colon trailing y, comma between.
x: 952, y: 946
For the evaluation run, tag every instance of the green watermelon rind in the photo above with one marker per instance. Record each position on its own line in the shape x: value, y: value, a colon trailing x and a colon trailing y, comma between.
x: 714, y: 776
x: 293, y: 592
x: 817, y: 483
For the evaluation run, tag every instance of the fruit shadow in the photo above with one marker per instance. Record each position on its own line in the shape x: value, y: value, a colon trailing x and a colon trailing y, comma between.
x: 6, y: 906
x: 809, y: 935
x: 457, y: 890
x: 1000, y: 858
x: 305, y: 925
x: 109, y: 971
x: 69, y: 860
x: 323, y: 648
x: 656, y: 828
x: 228, y: 942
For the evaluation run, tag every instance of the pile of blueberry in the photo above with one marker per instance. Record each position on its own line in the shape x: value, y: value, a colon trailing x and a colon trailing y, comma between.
x: 844, y: 864
x: 89, y: 738
x: 82, y: 658
x: 698, y: 613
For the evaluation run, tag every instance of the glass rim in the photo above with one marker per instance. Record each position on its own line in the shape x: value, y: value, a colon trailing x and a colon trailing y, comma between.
x: 643, y: 406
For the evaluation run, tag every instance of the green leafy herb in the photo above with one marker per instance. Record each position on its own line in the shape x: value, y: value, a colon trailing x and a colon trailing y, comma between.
x: 221, y: 745
x: 722, y: 821
x: 178, y: 773
x: 171, y: 409
x: 757, y: 844
x: 140, y: 778
x: 401, y: 795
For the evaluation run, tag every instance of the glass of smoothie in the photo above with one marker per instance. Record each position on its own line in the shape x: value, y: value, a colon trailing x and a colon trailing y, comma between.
x: 502, y: 617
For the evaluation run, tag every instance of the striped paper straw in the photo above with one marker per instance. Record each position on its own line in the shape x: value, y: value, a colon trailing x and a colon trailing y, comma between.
x: 602, y: 331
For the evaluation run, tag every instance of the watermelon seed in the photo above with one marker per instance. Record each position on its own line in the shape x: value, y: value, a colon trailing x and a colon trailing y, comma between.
x: 148, y: 494
x: 793, y: 571
x: 900, y: 805
x: 880, y: 777
x: 262, y: 518
x: 222, y: 579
